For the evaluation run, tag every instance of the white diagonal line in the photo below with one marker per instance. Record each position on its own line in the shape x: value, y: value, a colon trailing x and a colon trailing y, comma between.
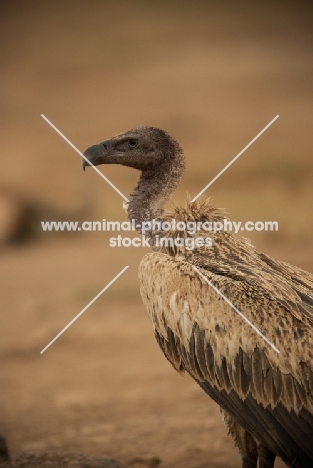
x: 84, y: 157
x: 236, y: 157
x: 84, y: 309
x: 236, y: 310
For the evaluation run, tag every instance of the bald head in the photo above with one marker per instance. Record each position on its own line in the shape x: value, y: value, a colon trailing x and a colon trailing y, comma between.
x: 143, y: 148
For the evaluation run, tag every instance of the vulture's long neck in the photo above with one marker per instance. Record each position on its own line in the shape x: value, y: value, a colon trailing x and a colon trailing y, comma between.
x: 154, y: 189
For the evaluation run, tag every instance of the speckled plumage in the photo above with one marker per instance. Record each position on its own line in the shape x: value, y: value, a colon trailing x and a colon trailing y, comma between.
x: 266, y: 398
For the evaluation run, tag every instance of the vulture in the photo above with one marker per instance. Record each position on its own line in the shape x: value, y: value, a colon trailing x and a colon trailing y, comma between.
x: 259, y: 370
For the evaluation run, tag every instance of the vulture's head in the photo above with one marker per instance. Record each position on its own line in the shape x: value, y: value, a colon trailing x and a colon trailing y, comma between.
x: 143, y: 148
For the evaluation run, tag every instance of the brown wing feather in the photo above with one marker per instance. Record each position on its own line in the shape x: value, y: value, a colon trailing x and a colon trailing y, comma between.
x: 199, y: 332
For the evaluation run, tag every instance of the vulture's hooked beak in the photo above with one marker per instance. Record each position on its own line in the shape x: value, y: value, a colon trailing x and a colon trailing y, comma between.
x: 96, y: 154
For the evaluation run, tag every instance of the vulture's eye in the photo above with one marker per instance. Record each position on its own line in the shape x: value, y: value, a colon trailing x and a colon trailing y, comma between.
x: 132, y: 143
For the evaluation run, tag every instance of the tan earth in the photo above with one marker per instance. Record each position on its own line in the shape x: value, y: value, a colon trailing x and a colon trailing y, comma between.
x: 213, y: 75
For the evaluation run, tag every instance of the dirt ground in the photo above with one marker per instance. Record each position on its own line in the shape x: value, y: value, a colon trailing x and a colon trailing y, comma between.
x: 211, y: 74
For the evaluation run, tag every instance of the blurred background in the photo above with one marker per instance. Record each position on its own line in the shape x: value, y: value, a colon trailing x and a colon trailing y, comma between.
x: 212, y: 74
